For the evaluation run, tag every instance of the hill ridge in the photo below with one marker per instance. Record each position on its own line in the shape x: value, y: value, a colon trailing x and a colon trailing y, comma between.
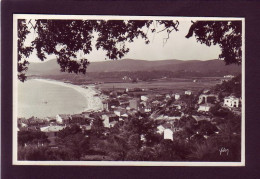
x: 52, y: 68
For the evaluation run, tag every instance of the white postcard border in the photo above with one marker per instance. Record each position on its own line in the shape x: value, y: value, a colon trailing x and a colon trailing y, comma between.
x: 15, y: 161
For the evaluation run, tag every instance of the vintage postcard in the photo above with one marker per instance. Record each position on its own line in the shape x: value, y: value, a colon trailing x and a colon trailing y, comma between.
x: 128, y: 90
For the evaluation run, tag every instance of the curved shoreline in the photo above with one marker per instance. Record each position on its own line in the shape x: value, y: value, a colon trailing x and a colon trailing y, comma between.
x: 94, y: 103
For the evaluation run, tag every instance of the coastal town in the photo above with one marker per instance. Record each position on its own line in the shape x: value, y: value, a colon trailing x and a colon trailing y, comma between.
x: 186, y: 116
x: 157, y: 90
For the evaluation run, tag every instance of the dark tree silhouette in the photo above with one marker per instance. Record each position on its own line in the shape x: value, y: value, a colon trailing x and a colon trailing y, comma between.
x: 31, y: 137
x: 23, y: 52
x: 228, y: 34
x: 72, y: 139
x: 66, y: 38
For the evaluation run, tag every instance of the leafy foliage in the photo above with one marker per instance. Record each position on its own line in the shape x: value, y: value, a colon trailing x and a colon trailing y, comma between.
x: 42, y: 153
x: 23, y: 52
x: 66, y: 38
x: 136, y: 139
x: 31, y: 137
x: 231, y: 87
x: 219, y: 111
x: 98, y: 128
x: 72, y: 139
x: 228, y: 34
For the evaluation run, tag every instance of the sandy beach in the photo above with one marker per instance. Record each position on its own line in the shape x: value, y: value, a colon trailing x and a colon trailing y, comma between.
x: 93, y: 103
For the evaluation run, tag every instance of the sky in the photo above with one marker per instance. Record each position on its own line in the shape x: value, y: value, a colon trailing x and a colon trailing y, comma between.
x: 176, y: 47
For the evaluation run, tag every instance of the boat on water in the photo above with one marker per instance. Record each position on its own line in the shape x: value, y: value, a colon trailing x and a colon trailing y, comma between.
x: 44, y: 102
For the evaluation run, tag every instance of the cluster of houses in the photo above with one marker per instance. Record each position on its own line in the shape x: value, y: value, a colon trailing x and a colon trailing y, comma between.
x: 165, y: 107
x: 52, y: 125
x: 118, y: 107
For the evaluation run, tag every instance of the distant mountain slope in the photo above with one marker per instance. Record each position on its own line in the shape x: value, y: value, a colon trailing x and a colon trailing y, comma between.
x: 52, y: 68
x: 202, y: 66
x: 48, y: 67
x: 129, y: 65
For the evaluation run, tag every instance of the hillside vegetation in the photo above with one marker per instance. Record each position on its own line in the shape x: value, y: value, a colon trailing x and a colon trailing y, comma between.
x: 192, y: 66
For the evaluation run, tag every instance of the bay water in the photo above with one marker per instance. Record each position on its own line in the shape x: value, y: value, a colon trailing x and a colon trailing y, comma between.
x: 41, y: 99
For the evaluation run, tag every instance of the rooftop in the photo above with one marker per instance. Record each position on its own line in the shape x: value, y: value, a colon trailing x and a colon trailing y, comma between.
x: 207, y: 104
x: 64, y: 115
x: 52, y: 128
x: 231, y: 97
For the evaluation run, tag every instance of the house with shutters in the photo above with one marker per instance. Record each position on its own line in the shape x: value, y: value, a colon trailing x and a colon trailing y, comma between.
x: 231, y: 101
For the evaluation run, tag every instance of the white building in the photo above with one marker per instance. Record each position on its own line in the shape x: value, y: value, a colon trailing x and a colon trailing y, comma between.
x: 168, y: 96
x: 123, y: 117
x: 202, y: 97
x: 109, y: 124
x: 188, y: 92
x: 160, y: 129
x: 177, y: 96
x: 144, y: 98
x: 205, y: 97
x: 52, y: 131
x: 204, y: 108
x: 106, y: 122
x: 168, y: 134
x: 147, y: 109
x: 118, y: 113
x: 62, y: 118
x: 178, y: 106
x: 112, y: 124
x: 231, y: 101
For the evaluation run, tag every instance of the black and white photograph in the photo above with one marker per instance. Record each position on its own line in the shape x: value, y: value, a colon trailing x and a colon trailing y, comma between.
x: 128, y: 90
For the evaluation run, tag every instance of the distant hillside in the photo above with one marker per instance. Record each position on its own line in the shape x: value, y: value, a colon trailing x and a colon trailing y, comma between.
x: 211, y: 66
x: 48, y: 67
x: 129, y: 65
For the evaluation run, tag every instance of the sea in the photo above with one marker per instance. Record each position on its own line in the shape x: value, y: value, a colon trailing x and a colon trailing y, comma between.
x: 41, y: 99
